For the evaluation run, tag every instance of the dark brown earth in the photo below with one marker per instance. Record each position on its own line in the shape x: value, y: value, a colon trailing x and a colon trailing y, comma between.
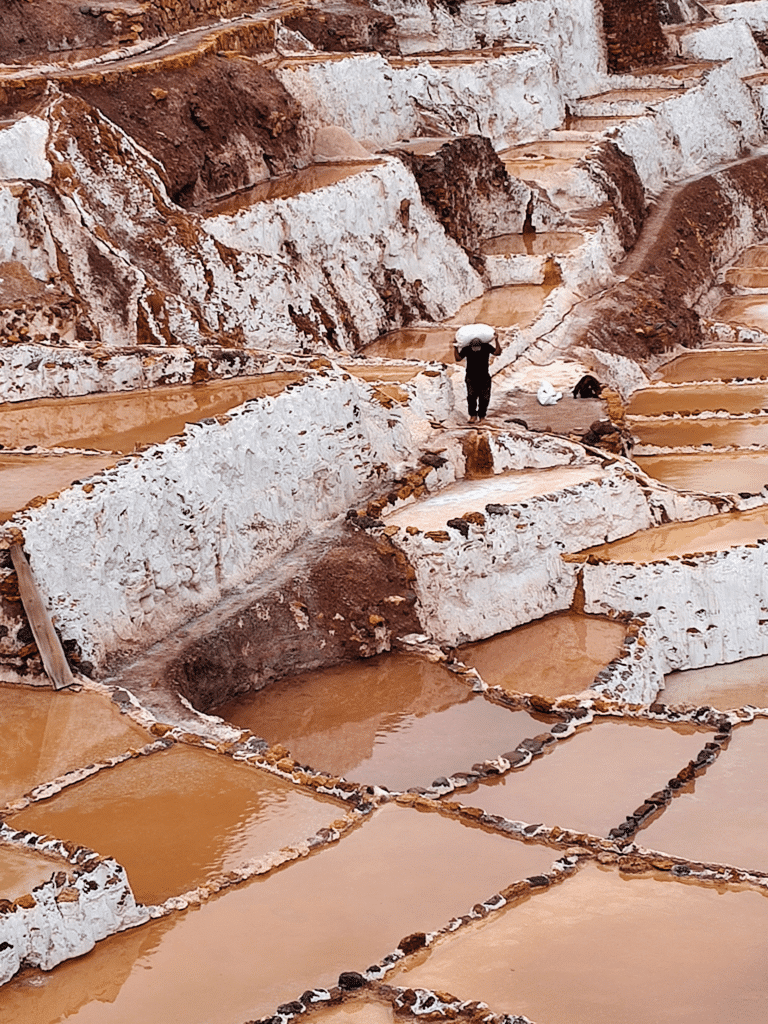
x: 633, y: 34
x: 616, y: 174
x: 674, y: 263
x: 217, y: 126
x: 352, y: 601
x: 345, y: 28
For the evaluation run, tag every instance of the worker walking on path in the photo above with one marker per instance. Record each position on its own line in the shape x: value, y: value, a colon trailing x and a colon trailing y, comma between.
x: 477, y: 343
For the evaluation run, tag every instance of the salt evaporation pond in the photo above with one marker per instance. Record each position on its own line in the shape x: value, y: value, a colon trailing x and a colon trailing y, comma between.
x: 22, y: 869
x: 709, y: 474
x: 716, y: 364
x: 432, y: 512
x: 710, y: 533
x: 748, y: 310
x: 532, y: 243
x: 25, y: 477
x: 396, y: 720
x: 661, y: 432
x: 557, y: 655
x: 721, y: 817
x: 721, y: 686
x: 695, y: 398
x: 592, y: 781
x: 288, y: 185
x: 44, y: 734
x: 257, y: 946
x: 179, y: 818
x: 118, y: 422
x: 606, y: 947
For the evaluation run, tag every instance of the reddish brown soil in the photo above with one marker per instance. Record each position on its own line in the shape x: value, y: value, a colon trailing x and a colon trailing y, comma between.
x: 674, y: 263
x: 351, y: 27
x: 332, y: 611
x: 615, y: 172
x: 188, y: 121
x: 633, y: 34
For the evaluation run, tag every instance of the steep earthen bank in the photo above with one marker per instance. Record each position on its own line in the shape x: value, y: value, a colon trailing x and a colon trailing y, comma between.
x: 684, y: 247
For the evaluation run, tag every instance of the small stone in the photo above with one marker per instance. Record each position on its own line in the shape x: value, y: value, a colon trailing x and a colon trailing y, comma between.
x: 350, y: 980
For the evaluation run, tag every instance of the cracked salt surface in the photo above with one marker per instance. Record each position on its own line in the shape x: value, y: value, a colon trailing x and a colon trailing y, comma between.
x: 606, y: 947
x: 473, y: 495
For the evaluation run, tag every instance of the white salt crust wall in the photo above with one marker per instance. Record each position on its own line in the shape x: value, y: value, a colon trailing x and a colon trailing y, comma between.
x: 570, y: 31
x: 189, y: 286
x: 161, y: 537
x: 508, y: 571
x: 512, y: 98
x: 705, y: 609
x: 67, y: 919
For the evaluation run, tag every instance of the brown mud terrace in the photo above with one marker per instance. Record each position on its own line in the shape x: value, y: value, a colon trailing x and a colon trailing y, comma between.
x: 319, y: 700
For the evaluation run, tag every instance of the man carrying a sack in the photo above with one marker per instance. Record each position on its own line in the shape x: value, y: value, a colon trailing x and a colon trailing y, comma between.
x: 477, y: 343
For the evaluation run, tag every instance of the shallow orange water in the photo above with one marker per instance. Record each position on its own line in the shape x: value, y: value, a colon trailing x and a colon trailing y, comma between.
x: 286, y: 186
x: 24, y: 477
x: 710, y: 474
x: 246, y: 952
x: 722, y: 686
x: 178, y: 818
x: 719, y: 433
x: 539, y: 243
x: 712, y: 533
x: 722, y: 817
x: 607, y: 948
x: 732, y: 398
x: 427, y: 344
x: 719, y: 364
x: 553, y: 656
x: 592, y: 781
x: 397, y: 721
x: 22, y: 869
x: 119, y: 422
x: 44, y: 734
x: 748, y: 310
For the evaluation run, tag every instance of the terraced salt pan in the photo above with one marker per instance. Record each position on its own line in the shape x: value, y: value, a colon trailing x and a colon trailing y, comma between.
x: 415, y: 343
x: 747, y: 277
x: 119, y: 422
x: 592, y: 781
x: 395, y: 720
x: 622, y: 102
x: 179, y: 818
x: 359, y: 1011
x: 721, y: 686
x: 21, y: 870
x: 518, y: 304
x: 307, y: 180
x: 596, y: 124
x: 694, y: 433
x: 245, y: 953
x: 554, y: 656
x: 538, y: 243
x: 721, y: 817
x: 711, y: 533
x: 433, y: 512
x: 605, y: 947
x: 44, y: 734
x: 710, y: 474
x: 716, y: 364
x: 754, y: 256
x: 24, y: 477
x: 660, y: 400
x: 748, y: 310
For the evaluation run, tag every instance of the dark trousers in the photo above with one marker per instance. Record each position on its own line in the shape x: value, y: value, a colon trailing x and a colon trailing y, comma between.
x: 478, y: 395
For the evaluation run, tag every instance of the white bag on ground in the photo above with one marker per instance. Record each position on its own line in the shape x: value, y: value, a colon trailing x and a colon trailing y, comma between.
x: 547, y: 395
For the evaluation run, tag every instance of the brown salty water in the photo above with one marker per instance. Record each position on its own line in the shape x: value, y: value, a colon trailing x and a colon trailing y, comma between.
x: 556, y: 655
x: 709, y: 474
x: 721, y: 817
x: 721, y: 686
x: 285, y: 187
x: 431, y: 343
x: 716, y: 364
x: 711, y: 533
x: 432, y: 512
x: 179, y: 818
x: 748, y: 277
x: 602, y: 947
x: 21, y: 870
x: 518, y: 304
x: 719, y: 433
x: 592, y: 781
x: 754, y: 256
x: 120, y: 422
x: 538, y: 243
x: 660, y: 400
x: 44, y: 734
x: 395, y: 720
x: 24, y: 477
x: 241, y: 955
x: 748, y: 310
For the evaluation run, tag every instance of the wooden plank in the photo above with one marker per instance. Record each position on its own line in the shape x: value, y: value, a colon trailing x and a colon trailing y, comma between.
x: 46, y: 637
